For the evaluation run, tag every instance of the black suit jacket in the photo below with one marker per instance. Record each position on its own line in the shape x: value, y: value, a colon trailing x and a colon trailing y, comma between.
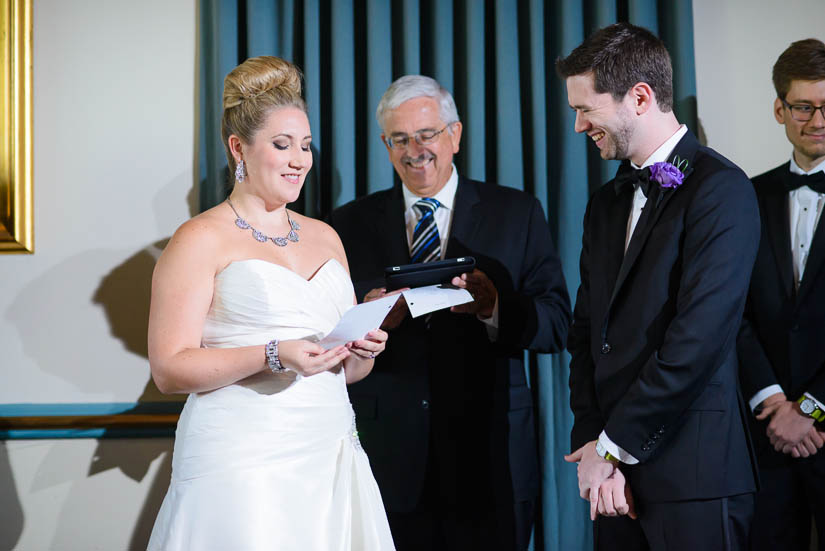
x: 441, y: 381
x: 654, y: 330
x: 782, y: 340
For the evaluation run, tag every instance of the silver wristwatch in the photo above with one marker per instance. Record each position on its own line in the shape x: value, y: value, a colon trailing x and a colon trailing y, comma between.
x: 809, y: 408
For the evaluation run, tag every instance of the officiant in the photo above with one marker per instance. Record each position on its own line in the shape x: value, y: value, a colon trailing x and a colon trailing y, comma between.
x: 447, y: 416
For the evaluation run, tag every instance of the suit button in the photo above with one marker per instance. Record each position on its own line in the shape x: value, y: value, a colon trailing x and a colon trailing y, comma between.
x: 661, y: 430
x: 795, y: 327
x: 606, y: 348
x: 645, y: 448
x: 425, y: 404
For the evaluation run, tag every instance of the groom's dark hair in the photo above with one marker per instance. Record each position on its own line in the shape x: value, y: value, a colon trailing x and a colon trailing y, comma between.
x: 620, y: 56
x: 803, y: 60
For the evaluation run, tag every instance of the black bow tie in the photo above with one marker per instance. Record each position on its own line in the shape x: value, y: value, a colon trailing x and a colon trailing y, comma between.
x: 815, y: 181
x: 629, y: 176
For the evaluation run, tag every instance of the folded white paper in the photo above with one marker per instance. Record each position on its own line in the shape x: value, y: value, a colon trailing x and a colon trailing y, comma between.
x: 363, y: 318
x: 424, y: 300
x: 358, y: 321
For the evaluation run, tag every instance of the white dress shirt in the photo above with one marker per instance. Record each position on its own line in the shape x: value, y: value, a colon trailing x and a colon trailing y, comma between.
x: 639, y: 200
x: 805, y: 207
x: 443, y: 221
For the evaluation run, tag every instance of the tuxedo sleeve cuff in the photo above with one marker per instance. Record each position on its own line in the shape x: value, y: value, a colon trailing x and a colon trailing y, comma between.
x: 760, y: 396
x: 491, y: 323
x: 616, y: 451
x: 817, y: 402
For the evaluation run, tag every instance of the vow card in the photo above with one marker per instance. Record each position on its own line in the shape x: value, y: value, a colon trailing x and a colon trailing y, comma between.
x: 358, y: 321
x: 424, y: 300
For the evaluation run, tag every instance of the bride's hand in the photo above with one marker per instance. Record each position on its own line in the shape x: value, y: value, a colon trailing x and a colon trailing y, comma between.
x: 307, y: 358
x: 370, y: 346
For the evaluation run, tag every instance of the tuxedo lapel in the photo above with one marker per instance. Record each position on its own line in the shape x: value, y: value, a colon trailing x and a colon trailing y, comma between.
x: 618, y: 213
x: 390, y: 230
x: 465, y: 218
x: 778, y: 225
x: 683, y: 154
x: 815, y: 260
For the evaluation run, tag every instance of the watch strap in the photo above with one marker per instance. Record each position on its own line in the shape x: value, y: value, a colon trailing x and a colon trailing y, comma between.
x: 817, y: 414
x: 601, y: 451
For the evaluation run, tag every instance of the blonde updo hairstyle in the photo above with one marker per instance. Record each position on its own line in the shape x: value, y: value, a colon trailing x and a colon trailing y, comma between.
x: 251, y: 91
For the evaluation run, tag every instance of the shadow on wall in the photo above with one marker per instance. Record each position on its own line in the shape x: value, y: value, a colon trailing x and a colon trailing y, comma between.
x: 134, y: 461
x: 11, y: 512
x: 52, y: 313
x: 124, y: 294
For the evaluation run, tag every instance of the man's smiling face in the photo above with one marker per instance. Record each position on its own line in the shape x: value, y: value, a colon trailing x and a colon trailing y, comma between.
x: 808, y: 138
x: 424, y: 169
x: 606, y: 121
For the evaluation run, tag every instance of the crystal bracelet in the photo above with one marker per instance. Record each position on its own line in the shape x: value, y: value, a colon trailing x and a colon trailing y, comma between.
x: 272, y: 359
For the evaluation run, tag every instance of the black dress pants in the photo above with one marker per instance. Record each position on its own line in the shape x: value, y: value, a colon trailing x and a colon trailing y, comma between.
x: 471, y: 525
x: 793, y: 492
x: 709, y: 525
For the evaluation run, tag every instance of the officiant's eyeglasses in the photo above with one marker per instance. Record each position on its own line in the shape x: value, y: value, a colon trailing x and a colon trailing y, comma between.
x: 803, y: 112
x: 422, y: 137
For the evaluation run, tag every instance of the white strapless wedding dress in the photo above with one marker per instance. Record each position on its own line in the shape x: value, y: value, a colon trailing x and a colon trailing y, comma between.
x: 272, y: 462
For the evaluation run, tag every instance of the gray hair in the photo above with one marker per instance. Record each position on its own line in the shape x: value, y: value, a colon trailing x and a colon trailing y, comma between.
x: 415, y: 86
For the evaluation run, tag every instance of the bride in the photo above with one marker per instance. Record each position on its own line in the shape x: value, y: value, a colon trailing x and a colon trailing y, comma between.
x: 266, y: 454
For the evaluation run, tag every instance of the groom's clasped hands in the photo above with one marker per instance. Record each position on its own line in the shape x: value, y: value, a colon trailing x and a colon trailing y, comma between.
x: 602, y: 483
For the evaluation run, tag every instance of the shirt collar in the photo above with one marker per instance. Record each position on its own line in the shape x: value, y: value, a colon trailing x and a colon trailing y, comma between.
x: 446, y: 197
x: 663, y: 151
x: 797, y: 170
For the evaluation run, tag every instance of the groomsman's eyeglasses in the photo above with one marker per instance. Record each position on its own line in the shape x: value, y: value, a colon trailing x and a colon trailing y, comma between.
x: 422, y: 137
x: 803, y: 112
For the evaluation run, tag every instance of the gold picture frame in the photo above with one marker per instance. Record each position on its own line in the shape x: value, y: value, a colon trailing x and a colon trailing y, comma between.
x: 16, y: 195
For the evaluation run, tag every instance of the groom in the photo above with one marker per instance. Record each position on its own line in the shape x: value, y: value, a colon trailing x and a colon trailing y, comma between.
x: 667, y: 252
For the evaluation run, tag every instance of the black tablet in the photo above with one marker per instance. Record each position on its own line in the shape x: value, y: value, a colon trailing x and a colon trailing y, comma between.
x: 429, y: 273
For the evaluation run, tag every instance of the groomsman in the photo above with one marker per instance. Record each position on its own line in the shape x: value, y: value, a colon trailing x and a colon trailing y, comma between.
x: 782, y: 341
x: 667, y: 252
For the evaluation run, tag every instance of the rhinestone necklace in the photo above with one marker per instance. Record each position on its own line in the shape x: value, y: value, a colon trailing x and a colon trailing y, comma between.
x: 262, y: 237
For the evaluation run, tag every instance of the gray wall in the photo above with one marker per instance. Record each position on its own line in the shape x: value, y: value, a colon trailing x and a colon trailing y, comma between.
x: 737, y: 43
x: 114, y: 149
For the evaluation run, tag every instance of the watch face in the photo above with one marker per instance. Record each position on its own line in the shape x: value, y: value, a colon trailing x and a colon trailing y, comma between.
x: 807, y: 406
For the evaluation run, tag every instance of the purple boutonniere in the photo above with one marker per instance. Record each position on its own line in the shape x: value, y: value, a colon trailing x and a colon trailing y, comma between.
x: 668, y: 175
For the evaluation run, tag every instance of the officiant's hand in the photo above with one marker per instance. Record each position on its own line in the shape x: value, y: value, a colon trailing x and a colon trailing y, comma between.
x: 399, y: 310
x: 483, y: 291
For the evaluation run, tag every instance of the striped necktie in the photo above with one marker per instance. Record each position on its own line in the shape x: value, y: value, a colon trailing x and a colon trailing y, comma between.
x: 426, y: 243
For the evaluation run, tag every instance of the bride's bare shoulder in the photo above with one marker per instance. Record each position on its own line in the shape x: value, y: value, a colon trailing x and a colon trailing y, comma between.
x: 203, y: 235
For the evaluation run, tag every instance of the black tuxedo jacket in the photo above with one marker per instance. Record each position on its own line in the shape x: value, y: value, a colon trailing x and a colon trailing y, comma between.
x: 441, y: 382
x: 654, y: 330
x: 782, y: 340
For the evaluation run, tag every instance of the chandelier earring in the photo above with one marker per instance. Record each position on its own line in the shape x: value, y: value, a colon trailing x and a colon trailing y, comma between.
x: 240, y: 174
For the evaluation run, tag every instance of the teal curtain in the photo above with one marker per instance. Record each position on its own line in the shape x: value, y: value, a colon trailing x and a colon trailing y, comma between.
x: 497, y: 57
